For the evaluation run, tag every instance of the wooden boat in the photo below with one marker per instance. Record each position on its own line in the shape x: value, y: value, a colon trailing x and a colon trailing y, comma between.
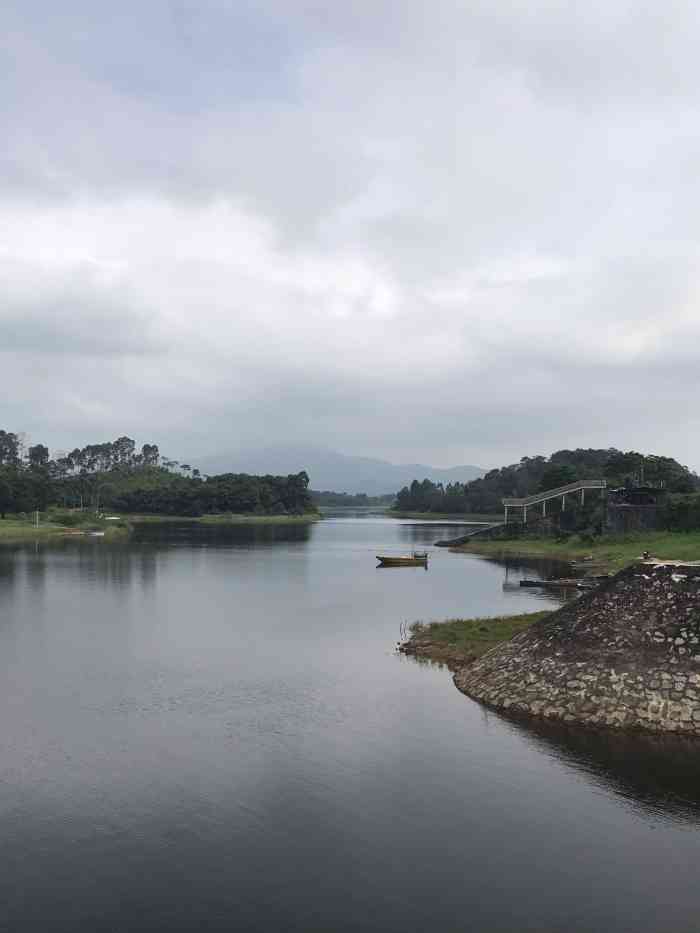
x: 414, y: 560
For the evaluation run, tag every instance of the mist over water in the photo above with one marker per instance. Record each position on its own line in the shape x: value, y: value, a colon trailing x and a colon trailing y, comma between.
x: 208, y: 728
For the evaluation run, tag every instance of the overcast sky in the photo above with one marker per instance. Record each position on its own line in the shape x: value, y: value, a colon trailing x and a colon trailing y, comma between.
x: 438, y: 231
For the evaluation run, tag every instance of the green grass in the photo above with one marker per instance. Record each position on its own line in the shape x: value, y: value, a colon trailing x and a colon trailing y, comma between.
x: 13, y: 529
x: 225, y: 519
x: 16, y: 529
x: 475, y: 636
x: 612, y: 552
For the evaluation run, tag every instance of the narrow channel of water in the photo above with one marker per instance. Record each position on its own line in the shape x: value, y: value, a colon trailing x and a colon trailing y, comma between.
x: 208, y: 728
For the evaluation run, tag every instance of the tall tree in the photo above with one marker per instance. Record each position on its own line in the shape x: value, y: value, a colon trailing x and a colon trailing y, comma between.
x: 6, y: 497
x: 9, y: 448
x: 38, y: 455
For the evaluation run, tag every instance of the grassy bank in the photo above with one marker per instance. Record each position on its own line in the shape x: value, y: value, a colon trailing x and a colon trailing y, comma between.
x: 17, y: 530
x: 12, y: 529
x: 613, y: 553
x: 226, y: 519
x: 457, y: 642
x: 448, y: 517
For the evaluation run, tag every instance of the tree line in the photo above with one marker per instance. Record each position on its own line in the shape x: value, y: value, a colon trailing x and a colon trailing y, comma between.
x: 115, y: 475
x: 538, y: 474
x: 329, y: 499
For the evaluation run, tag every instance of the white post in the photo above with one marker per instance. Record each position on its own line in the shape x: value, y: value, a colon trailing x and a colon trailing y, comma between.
x: 36, y: 519
x: 583, y: 495
x: 506, y: 521
x: 524, y: 515
x: 544, y: 507
x: 563, y: 502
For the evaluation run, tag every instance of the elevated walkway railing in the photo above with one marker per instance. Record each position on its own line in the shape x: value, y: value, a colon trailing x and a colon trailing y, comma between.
x: 542, y: 498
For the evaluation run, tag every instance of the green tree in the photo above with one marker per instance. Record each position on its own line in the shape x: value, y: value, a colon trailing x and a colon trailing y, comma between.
x: 38, y: 455
x: 6, y: 496
x: 9, y: 448
x: 557, y: 475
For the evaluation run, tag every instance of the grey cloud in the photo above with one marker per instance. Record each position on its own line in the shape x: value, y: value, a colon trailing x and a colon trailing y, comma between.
x: 408, y: 229
x: 71, y: 315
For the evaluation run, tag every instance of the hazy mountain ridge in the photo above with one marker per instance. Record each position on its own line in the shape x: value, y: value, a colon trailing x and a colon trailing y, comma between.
x: 330, y: 470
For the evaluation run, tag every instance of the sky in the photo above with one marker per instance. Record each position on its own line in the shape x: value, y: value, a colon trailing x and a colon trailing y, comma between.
x: 445, y: 232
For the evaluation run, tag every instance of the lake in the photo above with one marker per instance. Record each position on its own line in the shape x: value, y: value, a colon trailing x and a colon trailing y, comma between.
x: 208, y: 728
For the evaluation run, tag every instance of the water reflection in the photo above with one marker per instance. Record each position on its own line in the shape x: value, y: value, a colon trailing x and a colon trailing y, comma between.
x: 206, y: 727
x: 111, y: 564
x: 8, y: 575
x: 657, y: 774
x: 427, y: 533
x: 519, y: 568
x: 193, y: 534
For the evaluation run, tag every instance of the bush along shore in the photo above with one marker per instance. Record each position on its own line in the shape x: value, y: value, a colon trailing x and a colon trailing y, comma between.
x: 625, y: 655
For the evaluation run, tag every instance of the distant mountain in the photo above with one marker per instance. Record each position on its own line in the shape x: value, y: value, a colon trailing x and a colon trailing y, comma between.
x: 330, y: 470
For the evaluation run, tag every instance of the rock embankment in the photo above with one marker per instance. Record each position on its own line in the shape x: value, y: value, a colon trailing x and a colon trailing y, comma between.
x: 626, y: 655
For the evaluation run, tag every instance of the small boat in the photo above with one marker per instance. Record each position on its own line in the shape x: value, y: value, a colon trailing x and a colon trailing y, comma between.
x: 417, y: 559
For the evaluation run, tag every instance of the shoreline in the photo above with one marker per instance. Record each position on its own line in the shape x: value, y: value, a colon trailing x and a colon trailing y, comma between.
x: 226, y: 519
x: 625, y: 655
x: 606, y: 553
x: 457, y: 643
x: 12, y: 530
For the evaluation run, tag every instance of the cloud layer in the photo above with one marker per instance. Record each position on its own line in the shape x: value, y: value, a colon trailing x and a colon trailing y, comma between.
x: 449, y: 232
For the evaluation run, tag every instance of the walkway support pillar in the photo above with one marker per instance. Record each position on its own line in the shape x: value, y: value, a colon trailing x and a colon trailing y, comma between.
x: 544, y: 507
x: 524, y: 515
x: 506, y: 521
x: 583, y: 495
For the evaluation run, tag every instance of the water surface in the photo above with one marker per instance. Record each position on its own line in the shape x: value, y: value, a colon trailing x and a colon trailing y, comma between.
x: 208, y: 728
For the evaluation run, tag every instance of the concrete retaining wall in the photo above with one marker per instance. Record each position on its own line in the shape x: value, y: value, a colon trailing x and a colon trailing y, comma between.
x: 626, y: 655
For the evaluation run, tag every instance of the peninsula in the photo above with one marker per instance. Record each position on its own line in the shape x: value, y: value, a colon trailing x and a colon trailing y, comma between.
x: 625, y: 655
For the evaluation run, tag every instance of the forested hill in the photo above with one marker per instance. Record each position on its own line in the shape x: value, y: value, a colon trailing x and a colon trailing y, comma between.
x: 119, y: 477
x: 535, y: 474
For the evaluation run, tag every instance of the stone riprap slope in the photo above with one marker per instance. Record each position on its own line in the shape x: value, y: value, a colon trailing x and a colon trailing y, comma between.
x: 626, y: 655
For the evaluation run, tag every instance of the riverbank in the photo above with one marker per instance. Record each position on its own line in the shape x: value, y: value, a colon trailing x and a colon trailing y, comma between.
x: 606, y: 553
x: 625, y: 655
x: 226, y: 519
x: 15, y: 529
x: 19, y: 530
x: 458, y: 642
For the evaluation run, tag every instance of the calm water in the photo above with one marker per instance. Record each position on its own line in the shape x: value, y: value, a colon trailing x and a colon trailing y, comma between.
x: 208, y: 729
